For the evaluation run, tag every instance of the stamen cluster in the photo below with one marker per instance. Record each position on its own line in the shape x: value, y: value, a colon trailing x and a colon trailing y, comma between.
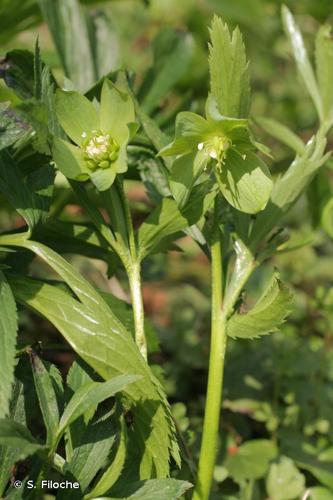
x: 100, y: 150
x: 216, y: 148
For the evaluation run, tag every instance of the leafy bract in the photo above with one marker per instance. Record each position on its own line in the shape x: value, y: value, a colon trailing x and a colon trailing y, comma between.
x: 229, y: 73
x: 100, y: 339
x: 266, y: 315
x: 8, y: 331
x: 245, y: 182
x: 301, y: 58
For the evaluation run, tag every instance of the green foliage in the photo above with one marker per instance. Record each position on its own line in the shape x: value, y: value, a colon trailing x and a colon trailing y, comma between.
x: 95, y: 194
x: 266, y: 315
x: 284, y: 481
x: 8, y: 330
x: 229, y: 74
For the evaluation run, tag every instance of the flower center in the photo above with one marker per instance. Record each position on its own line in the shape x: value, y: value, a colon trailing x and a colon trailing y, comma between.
x: 100, y: 150
x: 216, y: 148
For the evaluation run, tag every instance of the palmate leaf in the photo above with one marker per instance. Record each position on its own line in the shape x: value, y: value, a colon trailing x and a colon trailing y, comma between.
x: 229, y: 73
x: 101, y: 340
x: 8, y: 331
x: 266, y: 316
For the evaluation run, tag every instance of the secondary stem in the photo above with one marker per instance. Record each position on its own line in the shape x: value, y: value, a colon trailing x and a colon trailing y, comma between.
x: 215, y: 379
x: 134, y: 274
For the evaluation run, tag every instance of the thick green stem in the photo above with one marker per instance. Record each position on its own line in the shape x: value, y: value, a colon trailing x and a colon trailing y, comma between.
x: 215, y: 380
x: 134, y: 275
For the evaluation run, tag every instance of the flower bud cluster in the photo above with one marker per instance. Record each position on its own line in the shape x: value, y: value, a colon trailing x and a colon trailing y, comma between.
x: 100, y: 150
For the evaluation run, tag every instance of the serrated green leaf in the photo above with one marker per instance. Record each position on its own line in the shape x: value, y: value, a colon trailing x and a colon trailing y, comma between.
x: 266, y: 316
x: 12, y: 127
x: 229, y: 76
x: 251, y: 460
x: 245, y: 182
x: 284, y: 480
x: 8, y: 331
x: 29, y: 195
x: 303, y: 64
x: 113, y: 472
x: 90, y: 455
x: 7, y: 453
x: 17, y: 70
x: 281, y: 133
x: 324, y: 70
x: 98, y: 337
x: 18, y: 437
x: 46, y: 396
x: 155, y: 489
x: 90, y: 395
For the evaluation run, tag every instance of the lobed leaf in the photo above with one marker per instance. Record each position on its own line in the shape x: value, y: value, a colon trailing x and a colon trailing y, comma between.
x: 284, y: 481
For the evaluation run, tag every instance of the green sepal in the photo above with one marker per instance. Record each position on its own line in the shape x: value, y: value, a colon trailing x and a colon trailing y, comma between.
x: 245, y: 182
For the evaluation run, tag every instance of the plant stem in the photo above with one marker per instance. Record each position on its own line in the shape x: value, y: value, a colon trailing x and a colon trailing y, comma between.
x: 215, y: 379
x: 133, y: 269
x: 134, y: 275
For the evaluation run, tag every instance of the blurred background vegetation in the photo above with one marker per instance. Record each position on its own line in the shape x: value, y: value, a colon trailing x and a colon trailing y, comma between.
x: 280, y: 387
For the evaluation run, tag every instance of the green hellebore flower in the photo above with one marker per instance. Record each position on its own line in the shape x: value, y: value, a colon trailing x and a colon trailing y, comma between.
x: 224, y: 144
x: 100, y: 136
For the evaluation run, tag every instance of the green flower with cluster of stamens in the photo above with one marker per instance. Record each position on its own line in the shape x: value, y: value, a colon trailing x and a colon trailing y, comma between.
x: 100, y: 150
x: 100, y: 135
x: 225, y: 147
